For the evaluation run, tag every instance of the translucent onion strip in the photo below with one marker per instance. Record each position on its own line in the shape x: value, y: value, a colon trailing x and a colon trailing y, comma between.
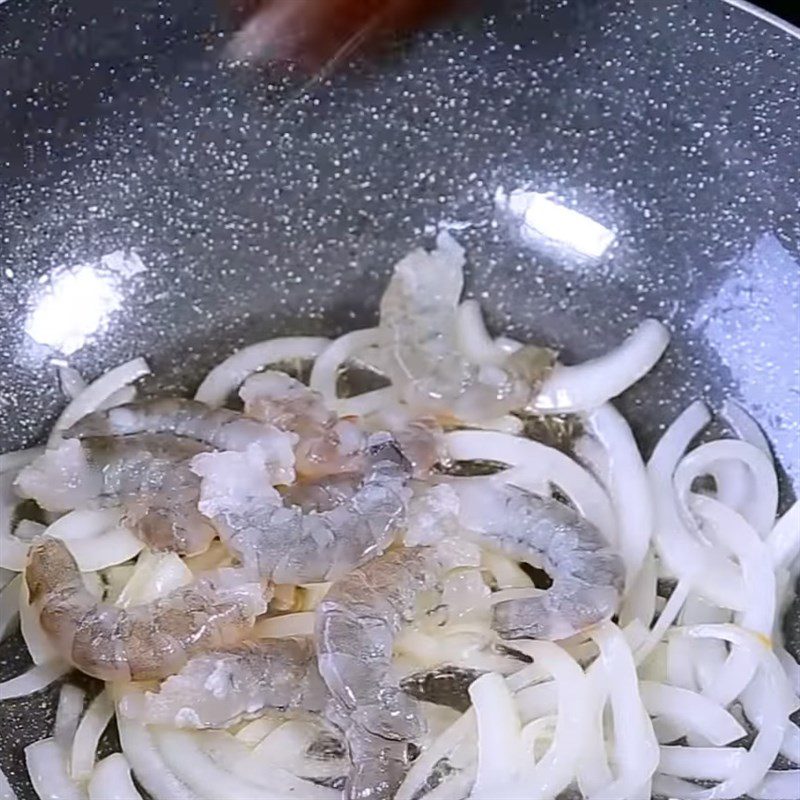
x: 96, y: 393
x: 87, y: 736
x: 745, y: 426
x: 587, y: 386
x: 759, y: 506
x: 228, y: 376
x: 95, y: 538
x: 683, y: 554
x: 34, y: 680
x: 733, y: 532
x: 11, y: 547
x: 68, y: 714
x: 150, y: 769
x: 628, y: 486
x: 41, y: 648
x: 111, y: 780
x: 538, y: 465
x: 639, y: 601
x: 47, y: 768
x: 777, y: 703
x: 691, y: 711
x: 778, y: 785
x: 300, y: 624
x: 6, y: 792
x: 9, y: 606
x: 700, y: 763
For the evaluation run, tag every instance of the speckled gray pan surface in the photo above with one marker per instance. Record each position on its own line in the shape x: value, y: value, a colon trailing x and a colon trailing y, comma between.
x: 239, y: 207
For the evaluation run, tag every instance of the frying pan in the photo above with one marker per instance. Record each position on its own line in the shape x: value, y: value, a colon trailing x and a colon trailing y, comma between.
x: 204, y: 207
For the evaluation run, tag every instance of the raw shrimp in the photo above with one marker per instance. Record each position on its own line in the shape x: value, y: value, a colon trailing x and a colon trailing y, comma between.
x: 289, y: 546
x: 145, y: 642
x: 357, y: 622
x: 219, y: 688
x: 327, y: 445
x: 219, y: 428
x: 148, y: 474
x: 587, y: 574
x: 418, y: 315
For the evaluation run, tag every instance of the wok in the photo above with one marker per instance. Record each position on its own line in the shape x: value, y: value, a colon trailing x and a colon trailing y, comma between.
x: 204, y: 207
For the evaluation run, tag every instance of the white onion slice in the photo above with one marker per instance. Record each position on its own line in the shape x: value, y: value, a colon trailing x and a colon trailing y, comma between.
x: 127, y: 394
x: 228, y: 376
x: 783, y: 540
x: 87, y: 736
x: 93, y: 536
x: 732, y: 531
x: 6, y: 792
x: 587, y: 386
x: 628, y: 486
x: 97, y: 392
x: 68, y: 714
x: 636, y: 750
x: 111, y: 780
x: 639, y: 601
x: 9, y: 605
x: 47, y: 768
x: 667, y: 616
x: 184, y: 755
x: 691, y: 711
x: 538, y: 465
x: 72, y: 382
x: 325, y: 373
x: 155, y: 575
x: 781, y: 784
x: 777, y: 702
x: 11, y: 547
x: 745, y: 426
x: 473, y: 339
x: 300, y: 624
x: 147, y: 763
x: 362, y: 405
x: 34, y: 680
x: 683, y: 554
x: 758, y: 506
x: 700, y: 763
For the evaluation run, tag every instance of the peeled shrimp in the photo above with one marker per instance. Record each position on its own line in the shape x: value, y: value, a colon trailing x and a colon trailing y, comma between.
x: 286, y: 544
x: 148, y: 474
x: 357, y: 622
x: 219, y: 428
x: 219, y: 688
x: 145, y: 642
x: 327, y: 445
x: 587, y: 574
x: 419, y: 316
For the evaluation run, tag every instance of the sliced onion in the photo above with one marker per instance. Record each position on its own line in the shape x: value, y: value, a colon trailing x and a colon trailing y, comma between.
x: 628, y: 486
x: 683, y: 554
x: 183, y: 753
x: 701, y: 763
x: 72, y: 382
x: 538, y: 465
x: 228, y: 376
x: 6, y: 792
x: 777, y: 702
x: 11, y: 547
x: 691, y: 711
x: 68, y: 714
x: 9, y: 605
x: 47, y: 768
x: 147, y: 763
x: 34, y: 680
x: 97, y: 393
x: 111, y: 780
x: 781, y: 784
x: 473, y: 339
x: 362, y: 405
x: 127, y: 394
x: 155, y: 575
x: 783, y: 540
x: 733, y: 532
x: 759, y: 505
x: 636, y: 750
x: 325, y: 374
x: 300, y: 624
x: 745, y: 426
x: 253, y: 732
x: 87, y: 736
x: 639, y: 601
x: 667, y: 616
x: 587, y: 386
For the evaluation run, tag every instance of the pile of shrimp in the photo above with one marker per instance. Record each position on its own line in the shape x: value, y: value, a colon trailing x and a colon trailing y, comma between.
x: 401, y: 593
